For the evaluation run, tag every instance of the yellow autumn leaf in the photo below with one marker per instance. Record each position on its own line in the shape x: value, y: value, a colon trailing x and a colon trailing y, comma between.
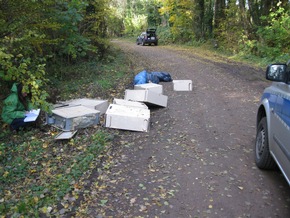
x: 44, y: 209
x: 36, y: 199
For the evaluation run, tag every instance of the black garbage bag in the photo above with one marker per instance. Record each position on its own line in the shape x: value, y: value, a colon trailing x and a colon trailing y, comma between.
x: 162, y: 76
x: 152, y: 78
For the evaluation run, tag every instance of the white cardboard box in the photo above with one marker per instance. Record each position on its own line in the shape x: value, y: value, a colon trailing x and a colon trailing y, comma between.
x: 74, y: 117
x: 146, y: 96
x: 100, y: 105
x: 127, y: 118
x: 129, y: 103
x: 150, y: 86
x: 182, y: 85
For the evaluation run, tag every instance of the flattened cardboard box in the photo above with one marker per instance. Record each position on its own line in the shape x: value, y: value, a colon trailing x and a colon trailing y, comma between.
x: 74, y: 117
x: 146, y: 96
x: 150, y: 86
x: 127, y: 118
x: 182, y: 85
x: 65, y: 135
x: 129, y: 103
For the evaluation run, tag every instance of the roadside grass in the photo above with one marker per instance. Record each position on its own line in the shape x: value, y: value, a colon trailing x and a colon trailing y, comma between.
x: 38, y: 172
x: 40, y: 176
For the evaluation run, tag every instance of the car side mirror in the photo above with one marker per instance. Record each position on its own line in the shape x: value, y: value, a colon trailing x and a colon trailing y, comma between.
x: 276, y: 72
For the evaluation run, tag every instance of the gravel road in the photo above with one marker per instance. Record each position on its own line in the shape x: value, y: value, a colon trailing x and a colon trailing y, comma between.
x: 197, y: 159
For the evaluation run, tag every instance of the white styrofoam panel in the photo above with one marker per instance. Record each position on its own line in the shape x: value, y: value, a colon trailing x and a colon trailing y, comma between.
x: 147, y: 97
x: 100, y: 105
x: 127, y: 118
x: 150, y: 86
x: 74, y: 111
x: 182, y: 85
x: 129, y: 103
x: 65, y: 135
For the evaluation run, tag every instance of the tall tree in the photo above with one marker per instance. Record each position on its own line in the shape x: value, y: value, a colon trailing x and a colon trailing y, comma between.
x: 209, y: 16
x: 154, y: 18
x: 243, y: 17
x: 180, y: 18
x: 219, y: 13
x: 35, y: 32
x: 199, y: 19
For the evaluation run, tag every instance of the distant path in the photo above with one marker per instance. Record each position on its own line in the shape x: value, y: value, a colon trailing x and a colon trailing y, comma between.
x: 197, y: 159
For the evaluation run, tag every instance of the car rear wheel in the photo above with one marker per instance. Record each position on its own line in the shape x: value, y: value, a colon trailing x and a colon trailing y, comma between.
x: 263, y: 156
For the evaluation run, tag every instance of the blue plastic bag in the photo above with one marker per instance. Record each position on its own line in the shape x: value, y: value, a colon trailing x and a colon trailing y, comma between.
x: 141, y: 78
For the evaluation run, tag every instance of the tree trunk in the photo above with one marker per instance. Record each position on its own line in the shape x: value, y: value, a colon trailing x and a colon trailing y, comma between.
x: 254, y: 12
x: 219, y: 12
x: 209, y: 17
x: 243, y: 15
x: 198, y: 24
x: 265, y: 7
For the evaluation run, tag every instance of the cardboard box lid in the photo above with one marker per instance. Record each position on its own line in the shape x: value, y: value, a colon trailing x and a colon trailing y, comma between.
x: 130, y: 103
x: 182, y: 81
x: 100, y: 105
x: 150, y: 86
x: 128, y: 111
x: 74, y: 111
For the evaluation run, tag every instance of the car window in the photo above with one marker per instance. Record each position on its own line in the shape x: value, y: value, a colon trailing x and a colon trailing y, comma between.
x: 288, y: 71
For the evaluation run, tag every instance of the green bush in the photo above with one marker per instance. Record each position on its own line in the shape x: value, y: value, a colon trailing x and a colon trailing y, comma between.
x: 274, y: 40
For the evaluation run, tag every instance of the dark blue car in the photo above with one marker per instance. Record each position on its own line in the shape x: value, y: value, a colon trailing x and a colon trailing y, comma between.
x: 149, y: 37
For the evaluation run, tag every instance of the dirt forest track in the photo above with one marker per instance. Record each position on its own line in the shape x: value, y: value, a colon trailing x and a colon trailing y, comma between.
x: 197, y: 159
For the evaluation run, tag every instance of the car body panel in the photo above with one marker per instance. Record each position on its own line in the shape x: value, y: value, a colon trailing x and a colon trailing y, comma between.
x: 275, y: 105
x: 280, y: 137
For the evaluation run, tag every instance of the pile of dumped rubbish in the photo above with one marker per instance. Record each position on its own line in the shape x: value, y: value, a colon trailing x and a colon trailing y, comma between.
x: 154, y: 77
x: 131, y: 113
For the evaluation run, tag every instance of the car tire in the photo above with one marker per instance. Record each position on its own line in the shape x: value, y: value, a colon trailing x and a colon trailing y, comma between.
x: 156, y: 43
x: 263, y: 157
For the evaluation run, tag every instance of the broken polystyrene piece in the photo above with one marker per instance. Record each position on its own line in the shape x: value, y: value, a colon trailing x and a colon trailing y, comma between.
x: 65, y: 135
